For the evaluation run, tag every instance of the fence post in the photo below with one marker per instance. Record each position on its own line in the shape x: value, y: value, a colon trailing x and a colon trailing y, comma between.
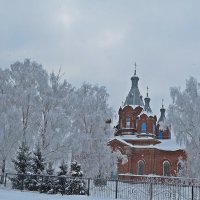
x: 151, y: 191
x: 5, y: 180
x: 192, y: 192
x: 116, y: 188
x: 88, y: 192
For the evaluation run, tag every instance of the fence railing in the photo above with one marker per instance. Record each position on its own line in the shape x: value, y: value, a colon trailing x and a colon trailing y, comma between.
x: 139, y: 187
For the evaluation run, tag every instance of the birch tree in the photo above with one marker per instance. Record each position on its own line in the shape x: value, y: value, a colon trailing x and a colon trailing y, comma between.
x: 28, y: 79
x: 90, y: 131
x: 184, y: 116
x: 9, y: 120
x: 55, y: 123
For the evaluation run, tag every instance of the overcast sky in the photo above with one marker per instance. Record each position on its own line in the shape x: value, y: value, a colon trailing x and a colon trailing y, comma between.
x: 98, y: 41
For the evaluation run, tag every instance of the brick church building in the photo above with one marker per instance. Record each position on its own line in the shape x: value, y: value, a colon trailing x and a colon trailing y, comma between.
x: 144, y: 141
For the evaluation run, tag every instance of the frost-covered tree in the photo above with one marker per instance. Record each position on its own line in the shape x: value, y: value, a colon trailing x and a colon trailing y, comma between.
x: 28, y: 78
x: 75, y: 185
x: 21, y: 165
x: 41, y: 102
x: 184, y: 116
x: 91, y: 132
x: 55, y: 122
x: 9, y: 120
x: 43, y: 108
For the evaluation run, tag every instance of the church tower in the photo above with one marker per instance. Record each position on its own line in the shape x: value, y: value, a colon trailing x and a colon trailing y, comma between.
x: 135, y: 117
x: 134, y: 97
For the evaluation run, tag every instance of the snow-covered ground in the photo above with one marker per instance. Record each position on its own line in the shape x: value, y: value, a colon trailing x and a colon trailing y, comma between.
x: 8, y: 194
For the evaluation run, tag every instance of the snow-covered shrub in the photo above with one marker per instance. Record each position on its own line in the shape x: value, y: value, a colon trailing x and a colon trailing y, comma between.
x: 100, y: 182
x: 75, y: 185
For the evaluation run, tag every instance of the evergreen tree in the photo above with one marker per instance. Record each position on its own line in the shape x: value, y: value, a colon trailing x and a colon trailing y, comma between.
x: 48, y: 180
x: 61, y: 181
x: 37, y: 168
x: 76, y: 185
x: 21, y: 165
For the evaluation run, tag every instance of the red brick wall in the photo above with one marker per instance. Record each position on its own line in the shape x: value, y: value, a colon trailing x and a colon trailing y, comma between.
x: 153, y: 161
x: 135, y: 120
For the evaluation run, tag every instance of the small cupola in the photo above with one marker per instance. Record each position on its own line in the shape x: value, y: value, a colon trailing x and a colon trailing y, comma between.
x: 162, y: 114
x: 147, y: 107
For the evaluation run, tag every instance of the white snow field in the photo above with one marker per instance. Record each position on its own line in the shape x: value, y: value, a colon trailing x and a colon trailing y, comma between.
x: 8, y: 194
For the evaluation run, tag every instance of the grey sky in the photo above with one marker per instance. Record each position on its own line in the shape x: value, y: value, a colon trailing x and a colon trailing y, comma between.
x: 98, y: 41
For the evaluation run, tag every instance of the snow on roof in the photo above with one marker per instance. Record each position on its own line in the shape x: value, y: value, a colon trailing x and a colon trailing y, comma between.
x: 142, y: 112
x: 134, y: 137
x: 146, y: 113
x: 133, y: 106
x: 122, y: 141
x: 166, y: 144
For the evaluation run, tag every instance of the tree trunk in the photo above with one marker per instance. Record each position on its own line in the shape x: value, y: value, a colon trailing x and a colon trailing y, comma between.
x: 3, y: 170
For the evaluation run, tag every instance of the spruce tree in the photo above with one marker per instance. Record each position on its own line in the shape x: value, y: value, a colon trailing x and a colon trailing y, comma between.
x: 76, y: 185
x: 37, y: 168
x: 21, y: 165
x: 61, y: 181
x: 48, y: 180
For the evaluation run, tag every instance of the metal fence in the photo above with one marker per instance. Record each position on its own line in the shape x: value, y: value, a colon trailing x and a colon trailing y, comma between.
x: 140, y: 187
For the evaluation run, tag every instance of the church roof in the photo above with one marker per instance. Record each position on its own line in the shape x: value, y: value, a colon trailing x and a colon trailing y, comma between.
x: 166, y: 145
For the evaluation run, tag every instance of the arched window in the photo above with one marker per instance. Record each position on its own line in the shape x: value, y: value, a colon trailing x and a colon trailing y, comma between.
x: 136, y: 123
x: 166, y: 168
x: 180, y: 168
x: 140, y: 169
x: 160, y: 135
x: 143, y: 127
x: 128, y: 122
x: 154, y: 128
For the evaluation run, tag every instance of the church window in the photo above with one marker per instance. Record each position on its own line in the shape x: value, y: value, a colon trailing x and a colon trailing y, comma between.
x: 166, y: 168
x: 136, y: 123
x: 128, y: 122
x: 160, y: 135
x: 180, y: 168
x: 143, y: 127
x: 154, y: 128
x: 140, y: 170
